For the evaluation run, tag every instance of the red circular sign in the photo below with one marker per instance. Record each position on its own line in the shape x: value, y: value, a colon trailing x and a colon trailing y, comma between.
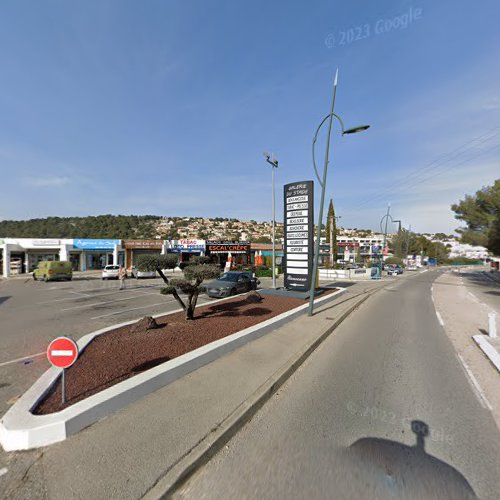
x: 62, y: 352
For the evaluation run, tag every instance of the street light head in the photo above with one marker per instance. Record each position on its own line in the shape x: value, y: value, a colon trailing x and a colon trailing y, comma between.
x: 355, y: 130
x: 270, y: 159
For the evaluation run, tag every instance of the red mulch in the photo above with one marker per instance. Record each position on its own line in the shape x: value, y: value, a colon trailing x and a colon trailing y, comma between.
x: 122, y: 353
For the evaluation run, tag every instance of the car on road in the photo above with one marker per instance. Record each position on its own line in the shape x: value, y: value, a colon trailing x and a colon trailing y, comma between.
x: 110, y: 272
x: 412, y: 267
x: 136, y: 273
x: 49, y: 270
x: 393, y: 269
x: 231, y: 283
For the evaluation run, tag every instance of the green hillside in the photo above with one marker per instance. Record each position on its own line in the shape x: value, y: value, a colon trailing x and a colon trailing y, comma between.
x: 101, y: 226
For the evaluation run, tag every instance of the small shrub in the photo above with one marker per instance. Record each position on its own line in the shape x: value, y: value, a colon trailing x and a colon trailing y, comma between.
x: 264, y: 273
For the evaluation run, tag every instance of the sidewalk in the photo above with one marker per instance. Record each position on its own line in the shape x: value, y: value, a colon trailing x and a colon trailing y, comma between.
x: 464, y: 316
x: 130, y: 452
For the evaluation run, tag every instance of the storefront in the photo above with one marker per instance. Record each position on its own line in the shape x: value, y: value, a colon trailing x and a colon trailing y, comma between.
x: 263, y: 252
x: 135, y: 248
x: 89, y: 254
x: 219, y: 251
x: 186, y: 248
x: 22, y: 255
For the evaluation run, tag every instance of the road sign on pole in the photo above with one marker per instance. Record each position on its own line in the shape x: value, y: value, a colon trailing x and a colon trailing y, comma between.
x: 62, y: 353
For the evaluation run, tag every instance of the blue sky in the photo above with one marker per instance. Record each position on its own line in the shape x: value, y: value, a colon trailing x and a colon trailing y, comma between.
x: 165, y: 107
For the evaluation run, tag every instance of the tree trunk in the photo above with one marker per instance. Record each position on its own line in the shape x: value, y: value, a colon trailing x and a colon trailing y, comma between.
x: 162, y: 276
x: 193, y: 298
x: 189, y: 312
x: 179, y: 300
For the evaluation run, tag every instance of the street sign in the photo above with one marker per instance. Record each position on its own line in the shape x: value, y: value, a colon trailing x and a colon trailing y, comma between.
x: 62, y: 352
x: 299, y: 233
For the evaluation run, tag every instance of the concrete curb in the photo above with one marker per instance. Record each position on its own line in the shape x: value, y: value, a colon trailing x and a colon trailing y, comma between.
x: 219, y: 436
x: 490, y: 352
x: 21, y: 430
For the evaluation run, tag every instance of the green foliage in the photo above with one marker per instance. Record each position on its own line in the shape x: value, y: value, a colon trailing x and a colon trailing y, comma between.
x: 154, y: 262
x: 404, y: 243
x: 200, y: 272
x: 394, y: 260
x: 494, y: 236
x: 191, y: 285
x: 480, y: 213
x: 101, y: 226
x: 263, y: 273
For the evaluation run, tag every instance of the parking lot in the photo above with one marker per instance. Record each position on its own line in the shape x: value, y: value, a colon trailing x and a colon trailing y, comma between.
x: 32, y: 313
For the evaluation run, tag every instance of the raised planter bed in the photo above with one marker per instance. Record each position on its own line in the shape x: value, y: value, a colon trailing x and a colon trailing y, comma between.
x: 124, y: 352
x: 117, y: 366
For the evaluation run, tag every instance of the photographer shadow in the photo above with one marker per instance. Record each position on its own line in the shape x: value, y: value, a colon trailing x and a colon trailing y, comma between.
x: 410, y: 469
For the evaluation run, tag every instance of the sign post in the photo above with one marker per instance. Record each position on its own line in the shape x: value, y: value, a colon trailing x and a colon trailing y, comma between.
x: 299, y: 232
x: 62, y: 353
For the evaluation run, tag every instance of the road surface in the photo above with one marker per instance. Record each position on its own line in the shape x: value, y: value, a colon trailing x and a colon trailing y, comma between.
x: 383, y: 409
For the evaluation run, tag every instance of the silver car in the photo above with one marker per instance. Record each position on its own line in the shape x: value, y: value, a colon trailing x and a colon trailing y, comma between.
x: 136, y: 273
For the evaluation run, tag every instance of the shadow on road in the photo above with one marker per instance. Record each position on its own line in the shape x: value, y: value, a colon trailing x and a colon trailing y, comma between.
x: 409, y: 471
x: 4, y: 299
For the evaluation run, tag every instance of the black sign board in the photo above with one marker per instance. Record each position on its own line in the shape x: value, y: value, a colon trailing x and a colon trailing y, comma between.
x: 299, y: 234
x: 214, y: 247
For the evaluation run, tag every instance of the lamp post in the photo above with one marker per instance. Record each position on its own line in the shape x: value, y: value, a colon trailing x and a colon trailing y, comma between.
x: 322, y: 183
x: 274, y: 164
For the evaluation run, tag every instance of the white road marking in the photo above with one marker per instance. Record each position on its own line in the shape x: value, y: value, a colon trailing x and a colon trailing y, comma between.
x: 142, y: 307
x: 56, y: 352
x: 5, y: 363
x: 95, y: 295
x: 475, y: 385
x: 474, y: 298
x: 440, y: 319
x: 127, y: 310
x: 3, y: 471
x: 107, y: 302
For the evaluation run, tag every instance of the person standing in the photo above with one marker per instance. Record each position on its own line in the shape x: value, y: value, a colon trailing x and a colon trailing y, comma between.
x: 122, y: 276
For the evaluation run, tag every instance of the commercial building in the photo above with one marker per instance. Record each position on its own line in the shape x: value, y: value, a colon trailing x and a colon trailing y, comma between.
x: 21, y: 255
x: 219, y: 251
x: 186, y: 248
x: 135, y: 248
x: 350, y: 248
x: 92, y: 254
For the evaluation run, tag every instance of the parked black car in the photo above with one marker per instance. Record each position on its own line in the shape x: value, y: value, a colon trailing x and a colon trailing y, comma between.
x: 231, y: 283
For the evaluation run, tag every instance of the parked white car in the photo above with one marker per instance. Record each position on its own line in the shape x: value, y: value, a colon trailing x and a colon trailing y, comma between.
x: 142, y: 274
x: 110, y: 272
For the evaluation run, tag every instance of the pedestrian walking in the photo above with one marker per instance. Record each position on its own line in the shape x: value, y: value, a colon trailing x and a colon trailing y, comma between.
x: 122, y: 276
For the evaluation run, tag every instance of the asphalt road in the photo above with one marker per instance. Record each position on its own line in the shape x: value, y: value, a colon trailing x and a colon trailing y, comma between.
x: 383, y: 409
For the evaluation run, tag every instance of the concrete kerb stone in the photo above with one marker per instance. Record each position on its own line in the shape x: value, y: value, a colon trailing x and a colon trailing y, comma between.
x: 21, y: 430
x: 219, y: 436
x: 490, y: 352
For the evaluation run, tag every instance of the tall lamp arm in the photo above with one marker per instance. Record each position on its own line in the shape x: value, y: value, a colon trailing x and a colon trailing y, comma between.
x: 315, y: 139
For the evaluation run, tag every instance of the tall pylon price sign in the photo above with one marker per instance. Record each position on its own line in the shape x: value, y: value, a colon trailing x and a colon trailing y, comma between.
x: 299, y: 235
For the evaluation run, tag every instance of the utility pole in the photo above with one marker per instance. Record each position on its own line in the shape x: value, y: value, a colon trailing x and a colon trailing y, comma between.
x: 386, y: 217
x: 274, y: 165
x: 408, y: 242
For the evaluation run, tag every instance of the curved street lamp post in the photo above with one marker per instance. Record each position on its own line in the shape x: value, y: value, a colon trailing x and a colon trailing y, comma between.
x: 322, y: 183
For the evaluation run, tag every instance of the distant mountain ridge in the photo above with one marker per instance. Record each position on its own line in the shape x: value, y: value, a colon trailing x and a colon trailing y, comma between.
x: 100, y: 226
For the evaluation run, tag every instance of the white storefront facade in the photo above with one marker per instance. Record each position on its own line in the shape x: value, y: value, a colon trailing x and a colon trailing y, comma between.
x: 21, y: 255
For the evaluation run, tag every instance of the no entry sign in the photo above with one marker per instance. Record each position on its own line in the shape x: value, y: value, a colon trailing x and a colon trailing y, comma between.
x: 62, y: 352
